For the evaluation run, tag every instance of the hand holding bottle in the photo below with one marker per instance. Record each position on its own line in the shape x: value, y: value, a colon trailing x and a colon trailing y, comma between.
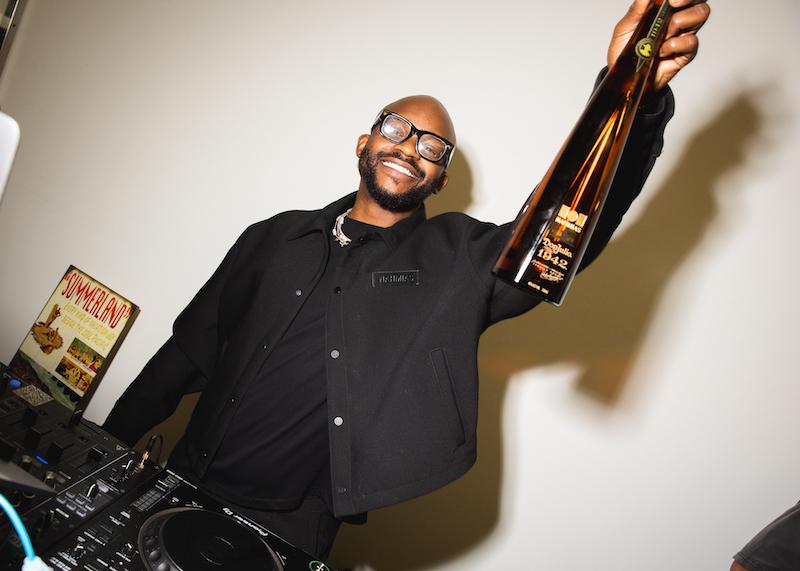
x: 681, y: 44
x: 552, y: 231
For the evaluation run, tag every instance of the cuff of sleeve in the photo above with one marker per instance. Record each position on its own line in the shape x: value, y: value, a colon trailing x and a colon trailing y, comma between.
x: 656, y: 103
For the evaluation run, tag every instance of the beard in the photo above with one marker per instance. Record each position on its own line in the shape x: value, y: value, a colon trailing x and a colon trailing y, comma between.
x: 393, y: 202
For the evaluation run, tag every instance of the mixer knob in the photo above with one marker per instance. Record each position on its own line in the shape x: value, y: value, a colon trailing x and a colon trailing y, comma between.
x: 78, y: 551
x: 127, y: 550
x: 26, y: 462
x: 92, y: 492
x: 50, y: 478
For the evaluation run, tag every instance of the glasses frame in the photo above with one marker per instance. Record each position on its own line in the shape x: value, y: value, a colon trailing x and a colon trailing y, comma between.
x: 449, y: 147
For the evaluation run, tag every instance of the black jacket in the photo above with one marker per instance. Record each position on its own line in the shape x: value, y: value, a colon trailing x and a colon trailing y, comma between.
x: 402, y: 371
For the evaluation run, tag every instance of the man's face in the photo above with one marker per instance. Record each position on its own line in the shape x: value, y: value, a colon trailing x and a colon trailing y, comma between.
x: 394, y: 174
x: 396, y: 181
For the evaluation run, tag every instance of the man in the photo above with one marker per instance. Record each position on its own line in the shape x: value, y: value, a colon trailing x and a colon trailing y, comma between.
x: 336, y: 349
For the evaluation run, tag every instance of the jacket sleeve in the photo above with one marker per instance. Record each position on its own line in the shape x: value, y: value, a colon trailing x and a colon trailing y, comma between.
x: 643, y: 147
x: 182, y: 366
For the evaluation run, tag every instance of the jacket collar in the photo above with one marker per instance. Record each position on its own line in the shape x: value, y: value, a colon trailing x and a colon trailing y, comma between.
x: 325, y: 218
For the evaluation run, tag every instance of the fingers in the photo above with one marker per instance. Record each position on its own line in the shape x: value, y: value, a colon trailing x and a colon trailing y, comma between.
x: 688, y: 19
x: 686, y: 45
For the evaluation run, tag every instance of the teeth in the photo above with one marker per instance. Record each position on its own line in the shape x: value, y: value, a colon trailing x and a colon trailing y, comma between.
x: 398, y: 168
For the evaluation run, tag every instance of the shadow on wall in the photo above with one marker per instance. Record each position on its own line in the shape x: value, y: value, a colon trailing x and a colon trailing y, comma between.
x: 601, y: 327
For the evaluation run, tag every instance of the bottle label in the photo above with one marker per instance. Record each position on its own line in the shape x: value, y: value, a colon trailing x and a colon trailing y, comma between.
x: 572, y: 219
x: 646, y: 47
x: 551, y: 264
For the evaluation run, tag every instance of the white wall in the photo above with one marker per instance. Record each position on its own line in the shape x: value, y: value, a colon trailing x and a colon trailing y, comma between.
x: 650, y: 423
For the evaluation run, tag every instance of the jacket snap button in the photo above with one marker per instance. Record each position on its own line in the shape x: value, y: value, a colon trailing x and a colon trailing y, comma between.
x: 335, y: 354
x: 338, y: 421
x: 298, y: 292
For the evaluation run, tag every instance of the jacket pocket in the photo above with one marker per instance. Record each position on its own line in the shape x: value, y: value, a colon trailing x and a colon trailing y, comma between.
x: 446, y: 389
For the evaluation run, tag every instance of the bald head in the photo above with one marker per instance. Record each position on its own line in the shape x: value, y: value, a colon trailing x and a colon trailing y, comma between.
x: 427, y: 113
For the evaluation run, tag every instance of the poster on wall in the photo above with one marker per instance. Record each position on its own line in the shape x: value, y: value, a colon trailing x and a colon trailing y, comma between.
x: 70, y: 346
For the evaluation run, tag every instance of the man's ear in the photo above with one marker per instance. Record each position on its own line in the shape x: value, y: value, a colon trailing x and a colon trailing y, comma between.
x: 360, y: 144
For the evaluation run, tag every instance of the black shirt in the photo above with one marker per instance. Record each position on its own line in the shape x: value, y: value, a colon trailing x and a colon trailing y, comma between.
x: 276, y: 446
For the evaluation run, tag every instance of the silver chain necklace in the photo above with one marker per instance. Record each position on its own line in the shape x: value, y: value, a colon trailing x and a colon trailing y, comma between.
x: 337, y: 231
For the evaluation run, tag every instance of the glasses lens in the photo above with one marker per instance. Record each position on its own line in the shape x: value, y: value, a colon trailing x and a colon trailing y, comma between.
x: 431, y: 147
x: 395, y: 129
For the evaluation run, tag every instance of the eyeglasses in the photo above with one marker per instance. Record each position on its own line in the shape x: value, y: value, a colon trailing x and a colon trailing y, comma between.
x: 430, y: 146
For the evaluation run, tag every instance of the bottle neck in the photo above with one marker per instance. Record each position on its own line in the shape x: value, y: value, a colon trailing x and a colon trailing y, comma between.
x: 642, y: 50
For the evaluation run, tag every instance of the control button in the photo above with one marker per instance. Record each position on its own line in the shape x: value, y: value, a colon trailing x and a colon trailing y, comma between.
x: 80, y: 512
x: 163, y: 566
x: 50, y: 478
x: 337, y: 289
x: 338, y: 421
x: 25, y: 462
x: 154, y: 555
x: 14, y: 383
x: 93, y: 490
x: 298, y: 292
x: 335, y: 353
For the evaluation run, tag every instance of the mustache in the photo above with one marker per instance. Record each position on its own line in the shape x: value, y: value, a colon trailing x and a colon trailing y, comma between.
x: 401, y: 157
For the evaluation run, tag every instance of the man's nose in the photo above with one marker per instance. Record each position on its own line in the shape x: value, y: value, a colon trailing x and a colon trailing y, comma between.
x: 409, y: 147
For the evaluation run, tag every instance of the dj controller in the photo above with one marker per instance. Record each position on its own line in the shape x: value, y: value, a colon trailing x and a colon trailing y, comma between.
x: 91, y: 503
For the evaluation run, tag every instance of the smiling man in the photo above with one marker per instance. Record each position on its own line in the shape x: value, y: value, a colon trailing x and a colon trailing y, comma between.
x: 335, y: 349
x: 394, y: 179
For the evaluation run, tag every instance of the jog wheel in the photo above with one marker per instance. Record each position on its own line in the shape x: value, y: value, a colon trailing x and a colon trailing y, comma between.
x: 192, y: 539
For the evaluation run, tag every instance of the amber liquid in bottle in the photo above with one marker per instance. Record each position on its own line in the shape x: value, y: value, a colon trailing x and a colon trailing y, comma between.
x: 553, y: 228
